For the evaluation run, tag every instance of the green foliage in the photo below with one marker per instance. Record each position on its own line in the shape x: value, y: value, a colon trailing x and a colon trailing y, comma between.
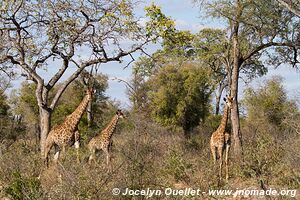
x: 7, y: 130
x: 261, y: 156
x: 270, y: 141
x: 212, y: 122
x: 268, y: 103
x: 174, y: 42
x: 177, y: 43
x: 210, y: 44
x: 24, y: 188
x: 258, y: 27
x: 25, y: 104
x: 72, y: 97
x: 69, y: 101
x: 177, y: 167
x: 27, y: 101
x: 159, y: 25
x: 181, y: 95
x: 3, y: 104
x: 212, y: 47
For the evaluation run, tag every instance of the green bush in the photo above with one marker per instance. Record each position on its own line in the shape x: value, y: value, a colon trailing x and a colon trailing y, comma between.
x: 181, y: 95
x: 177, y: 167
x: 24, y: 188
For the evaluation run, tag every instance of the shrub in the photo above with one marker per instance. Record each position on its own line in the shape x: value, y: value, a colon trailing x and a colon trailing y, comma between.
x: 24, y: 188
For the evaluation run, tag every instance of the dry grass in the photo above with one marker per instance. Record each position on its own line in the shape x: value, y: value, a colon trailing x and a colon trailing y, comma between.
x: 147, y: 156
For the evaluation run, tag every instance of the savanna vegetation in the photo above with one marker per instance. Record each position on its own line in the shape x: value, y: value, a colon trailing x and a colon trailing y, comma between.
x: 175, y: 94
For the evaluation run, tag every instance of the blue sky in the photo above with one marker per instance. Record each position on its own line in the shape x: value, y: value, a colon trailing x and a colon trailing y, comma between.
x: 186, y: 16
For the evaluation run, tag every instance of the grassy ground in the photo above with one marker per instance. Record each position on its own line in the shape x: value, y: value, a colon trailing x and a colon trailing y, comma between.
x: 149, y: 156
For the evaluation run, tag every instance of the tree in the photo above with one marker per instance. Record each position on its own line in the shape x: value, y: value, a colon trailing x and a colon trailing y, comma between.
x: 268, y: 105
x: 212, y: 47
x: 253, y: 29
x: 25, y: 105
x: 37, y: 35
x: 5, y: 121
x: 291, y: 5
x: 174, y: 43
x: 209, y: 47
x: 181, y: 95
x: 3, y: 104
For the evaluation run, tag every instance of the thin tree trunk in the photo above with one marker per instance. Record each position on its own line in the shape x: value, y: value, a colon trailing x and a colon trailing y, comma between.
x: 237, y: 62
x: 222, y: 86
x: 45, y: 116
x: 187, y: 134
x: 218, y: 98
x: 235, y: 119
x: 90, y: 114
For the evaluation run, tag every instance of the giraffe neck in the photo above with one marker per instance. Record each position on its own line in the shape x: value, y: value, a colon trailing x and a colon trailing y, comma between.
x: 109, y: 130
x: 222, y: 126
x: 74, y: 118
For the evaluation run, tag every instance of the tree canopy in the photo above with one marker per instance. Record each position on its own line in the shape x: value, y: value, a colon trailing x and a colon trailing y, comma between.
x: 269, y: 102
x: 181, y: 95
x: 38, y: 35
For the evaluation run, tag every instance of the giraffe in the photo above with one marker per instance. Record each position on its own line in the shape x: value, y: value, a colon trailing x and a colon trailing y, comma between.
x: 67, y: 133
x: 220, y: 140
x: 102, y: 141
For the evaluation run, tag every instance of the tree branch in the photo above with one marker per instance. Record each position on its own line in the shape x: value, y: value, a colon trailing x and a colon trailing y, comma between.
x: 114, y: 58
x: 267, y: 45
x: 290, y: 7
x: 58, y: 75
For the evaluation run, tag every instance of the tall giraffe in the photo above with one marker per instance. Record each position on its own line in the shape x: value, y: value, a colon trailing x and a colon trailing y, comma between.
x: 67, y: 133
x: 103, y: 140
x: 220, y: 140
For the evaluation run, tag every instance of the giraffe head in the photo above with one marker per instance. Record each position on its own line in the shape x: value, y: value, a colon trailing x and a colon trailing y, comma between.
x: 90, y: 91
x: 120, y: 114
x: 228, y: 100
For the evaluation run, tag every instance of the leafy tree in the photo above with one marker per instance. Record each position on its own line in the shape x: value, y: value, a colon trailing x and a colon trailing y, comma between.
x: 253, y: 29
x: 181, y: 95
x: 209, y: 47
x: 212, y: 47
x: 37, y: 34
x: 291, y: 5
x: 8, y: 129
x: 174, y: 43
x: 3, y: 104
x: 25, y: 104
x: 268, y: 104
x: 69, y: 102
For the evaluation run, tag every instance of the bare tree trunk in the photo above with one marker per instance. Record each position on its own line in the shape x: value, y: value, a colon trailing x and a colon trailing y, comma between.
x: 222, y: 86
x: 218, y: 99
x: 90, y: 114
x: 237, y: 62
x: 235, y: 119
x: 45, y: 116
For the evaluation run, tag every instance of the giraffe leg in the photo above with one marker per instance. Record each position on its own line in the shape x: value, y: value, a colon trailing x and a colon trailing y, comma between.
x: 56, y: 155
x: 46, y: 153
x: 213, y: 153
x: 220, y: 152
x: 106, y: 150
x: 226, y: 160
x: 63, y: 153
x: 77, y: 144
x: 92, y: 156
